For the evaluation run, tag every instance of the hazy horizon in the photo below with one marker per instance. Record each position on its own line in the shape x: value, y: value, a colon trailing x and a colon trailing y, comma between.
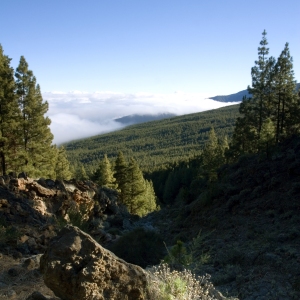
x: 76, y: 115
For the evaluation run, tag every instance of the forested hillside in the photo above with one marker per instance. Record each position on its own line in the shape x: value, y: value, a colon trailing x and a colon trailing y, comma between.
x: 156, y: 143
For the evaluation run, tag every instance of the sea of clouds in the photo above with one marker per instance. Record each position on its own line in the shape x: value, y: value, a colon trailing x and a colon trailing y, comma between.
x: 76, y: 114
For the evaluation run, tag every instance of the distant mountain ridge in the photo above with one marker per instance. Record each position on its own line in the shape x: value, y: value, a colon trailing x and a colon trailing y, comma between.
x: 237, y: 97
x: 137, y: 119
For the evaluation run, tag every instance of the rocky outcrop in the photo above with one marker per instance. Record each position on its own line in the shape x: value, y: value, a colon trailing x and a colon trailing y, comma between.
x: 88, y: 271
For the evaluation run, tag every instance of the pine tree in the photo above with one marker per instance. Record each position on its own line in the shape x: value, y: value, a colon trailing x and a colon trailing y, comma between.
x: 38, y: 155
x: 136, y: 188
x: 104, y: 175
x: 245, y: 135
x: 261, y: 85
x: 121, y: 177
x: 9, y: 117
x: 150, y: 203
x: 274, y: 105
x: 80, y: 173
x: 134, y: 191
x: 286, y: 100
x: 213, y: 155
x: 267, y: 136
x: 62, y: 167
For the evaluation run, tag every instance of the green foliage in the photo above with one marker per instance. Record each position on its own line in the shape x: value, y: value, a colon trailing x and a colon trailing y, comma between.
x: 38, y: 157
x: 198, y: 256
x: 76, y: 216
x: 134, y: 191
x: 121, y: 177
x: 286, y: 102
x: 104, y: 175
x: 9, y: 117
x: 267, y: 136
x: 193, y: 257
x: 150, y: 200
x: 176, y: 289
x: 62, y: 167
x: 25, y: 136
x: 140, y: 247
x: 81, y: 173
x: 136, y: 188
x: 213, y: 155
x: 178, y: 256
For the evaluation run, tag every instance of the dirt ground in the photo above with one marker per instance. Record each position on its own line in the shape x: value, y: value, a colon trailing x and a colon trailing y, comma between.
x: 20, y: 277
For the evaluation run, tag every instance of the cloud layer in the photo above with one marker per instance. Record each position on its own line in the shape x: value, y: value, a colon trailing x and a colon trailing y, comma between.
x: 78, y: 114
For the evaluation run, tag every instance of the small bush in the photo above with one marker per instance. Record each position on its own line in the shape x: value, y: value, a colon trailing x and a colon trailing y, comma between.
x: 77, y: 217
x: 140, y: 247
x: 170, y: 285
x: 178, y: 255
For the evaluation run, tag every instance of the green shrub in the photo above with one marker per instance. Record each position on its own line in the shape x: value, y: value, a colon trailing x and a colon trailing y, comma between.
x: 178, y: 255
x: 140, y: 247
x: 170, y: 285
x: 77, y: 217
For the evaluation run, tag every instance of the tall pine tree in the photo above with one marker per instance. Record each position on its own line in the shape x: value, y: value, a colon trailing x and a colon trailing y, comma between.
x: 136, y: 188
x: 121, y: 177
x: 213, y: 155
x: 273, y: 112
x: 261, y: 85
x: 38, y: 155
x: 9, y: 117
x: 286, y: 99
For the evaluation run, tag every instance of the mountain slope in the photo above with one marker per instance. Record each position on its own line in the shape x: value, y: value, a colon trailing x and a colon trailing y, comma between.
x: 156, y: 143
x: 248, y: 225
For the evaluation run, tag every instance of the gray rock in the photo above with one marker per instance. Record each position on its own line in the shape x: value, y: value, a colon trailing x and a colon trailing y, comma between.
x: 88, y: 271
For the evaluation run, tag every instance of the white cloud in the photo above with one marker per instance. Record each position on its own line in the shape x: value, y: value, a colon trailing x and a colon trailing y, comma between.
x: 80, y: 114
x: 67, y: 127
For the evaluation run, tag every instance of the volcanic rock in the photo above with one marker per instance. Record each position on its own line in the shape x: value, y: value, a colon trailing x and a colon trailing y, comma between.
x: 75, y: 266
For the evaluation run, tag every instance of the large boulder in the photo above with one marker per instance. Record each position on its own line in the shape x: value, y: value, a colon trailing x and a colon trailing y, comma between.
x: 75, y: 266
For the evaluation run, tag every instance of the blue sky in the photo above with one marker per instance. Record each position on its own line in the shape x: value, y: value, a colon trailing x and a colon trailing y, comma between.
x: 131, y: 47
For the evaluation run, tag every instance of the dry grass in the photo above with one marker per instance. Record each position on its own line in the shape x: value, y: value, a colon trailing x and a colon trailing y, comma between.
x: 18, y: 282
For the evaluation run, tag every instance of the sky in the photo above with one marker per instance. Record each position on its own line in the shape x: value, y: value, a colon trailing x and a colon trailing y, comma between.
x: 97, y: 60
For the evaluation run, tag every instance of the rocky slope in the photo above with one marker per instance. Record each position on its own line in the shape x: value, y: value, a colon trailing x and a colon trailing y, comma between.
x: 31, y: 214
x: 35, y: 240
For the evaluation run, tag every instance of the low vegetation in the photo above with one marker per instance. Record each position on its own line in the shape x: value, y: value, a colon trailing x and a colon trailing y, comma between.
x: 167, y: 284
